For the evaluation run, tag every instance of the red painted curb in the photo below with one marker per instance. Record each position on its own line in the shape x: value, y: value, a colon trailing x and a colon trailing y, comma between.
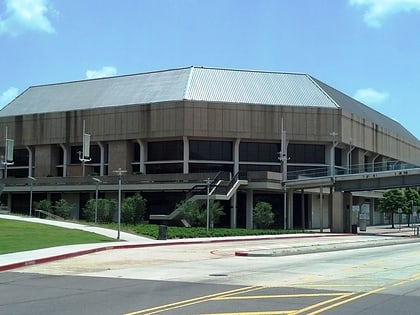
x: 127, y: 246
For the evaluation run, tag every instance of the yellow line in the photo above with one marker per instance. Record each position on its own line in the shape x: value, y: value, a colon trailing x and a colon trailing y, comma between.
x: 200, y: 299
x: 255, y: 313
x: 252, y: 297
x: 342, y: 296
x: 346, y: 301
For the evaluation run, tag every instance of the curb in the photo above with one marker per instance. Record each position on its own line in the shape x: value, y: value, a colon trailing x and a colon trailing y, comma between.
x: 42, y: 260
x: 300, y: 250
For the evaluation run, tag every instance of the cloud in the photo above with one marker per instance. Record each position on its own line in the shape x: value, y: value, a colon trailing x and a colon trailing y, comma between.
x: 370, y: 96
x: 378, y: 10
x: 7, y: 96
x: 106, y: 71
x: 26, y: 15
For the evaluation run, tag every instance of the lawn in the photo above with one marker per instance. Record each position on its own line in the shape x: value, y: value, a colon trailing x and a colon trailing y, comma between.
x: 17, y: 236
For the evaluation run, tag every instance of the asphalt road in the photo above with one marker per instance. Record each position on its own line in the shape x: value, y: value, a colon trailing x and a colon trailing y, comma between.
x: 209, y: 279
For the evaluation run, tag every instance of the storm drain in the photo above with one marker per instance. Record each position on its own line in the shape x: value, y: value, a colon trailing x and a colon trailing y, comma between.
x: 218, y: 275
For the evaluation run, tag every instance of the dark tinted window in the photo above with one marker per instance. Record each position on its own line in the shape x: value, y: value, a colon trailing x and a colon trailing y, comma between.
x: 210, y: 150
x: 259, y: 152
x: 306, y: 153
x: 165, y: 150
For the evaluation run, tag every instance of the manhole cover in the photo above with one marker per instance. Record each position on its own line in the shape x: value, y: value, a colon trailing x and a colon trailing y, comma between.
x: 218, y: 275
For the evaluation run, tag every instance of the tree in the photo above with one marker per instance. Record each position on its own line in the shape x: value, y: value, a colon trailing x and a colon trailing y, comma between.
x: 43, y: 205
x: 263, y: 215
x: 63, y: 209
x: 196, y: 215
x: 133, y: 209
x: 106, y: 210
x: 392, y: 200
x: 412, y: 198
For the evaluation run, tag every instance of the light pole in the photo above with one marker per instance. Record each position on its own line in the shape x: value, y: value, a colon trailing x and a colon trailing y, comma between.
x: 32, y: 180
x: 119, y: 172
x: 208, y: 181
x: 97, y: 182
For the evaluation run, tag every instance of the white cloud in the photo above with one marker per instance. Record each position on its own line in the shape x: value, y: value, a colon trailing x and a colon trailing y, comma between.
x: 7, y: 96
x: 26, y: 15
x: 378, y: 10
x: 106, y: 71
x: 370, y: 96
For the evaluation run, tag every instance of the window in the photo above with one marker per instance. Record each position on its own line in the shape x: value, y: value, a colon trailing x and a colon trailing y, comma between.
x: 165, y: 151
x: 211, y: 150
x: 259, y: 152
x: 306, y: 153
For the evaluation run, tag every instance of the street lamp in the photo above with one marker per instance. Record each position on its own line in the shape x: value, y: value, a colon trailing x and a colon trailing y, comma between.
x: 208, y: 181
x: 119, y: 172
x: 32, y: 180
x: 97, y: 182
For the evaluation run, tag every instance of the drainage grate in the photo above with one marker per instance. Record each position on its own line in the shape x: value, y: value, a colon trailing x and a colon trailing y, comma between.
x: 218, y: 275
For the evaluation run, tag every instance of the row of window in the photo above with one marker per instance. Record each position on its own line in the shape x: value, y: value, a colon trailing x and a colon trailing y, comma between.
x: 223, y: 151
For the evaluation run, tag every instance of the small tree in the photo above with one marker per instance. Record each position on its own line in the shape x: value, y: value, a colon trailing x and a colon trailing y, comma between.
x: 412, y: 198
x: 106, y: 210
x: 190, y: 211
x: 43, y: 205
x: 392, y: 200
x: 196, y: 215
x: 263, y: 216
x: 133, y: 209
x: 63, y: 209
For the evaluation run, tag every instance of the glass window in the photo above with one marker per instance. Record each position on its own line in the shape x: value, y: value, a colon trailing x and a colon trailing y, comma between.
x: 306, y: 153
x: 209, y: 167
x: 165, y: 151
x: 259, y: 152
x: 162, y: 168
x: 20, y: 157
x: 211, y: 150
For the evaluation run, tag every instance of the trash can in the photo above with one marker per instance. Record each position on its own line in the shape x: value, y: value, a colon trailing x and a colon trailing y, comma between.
x: 163, y: 232
x: 354, y: 228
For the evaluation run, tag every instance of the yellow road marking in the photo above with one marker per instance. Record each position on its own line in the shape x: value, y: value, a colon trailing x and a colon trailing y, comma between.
x: 274, y: 296
x: 188, y: 302
x: 310, y: 307
x: 255, y: 313
x: 346, y: 301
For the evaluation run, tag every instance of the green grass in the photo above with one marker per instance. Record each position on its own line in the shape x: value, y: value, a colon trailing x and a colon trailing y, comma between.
x: 17, y: 236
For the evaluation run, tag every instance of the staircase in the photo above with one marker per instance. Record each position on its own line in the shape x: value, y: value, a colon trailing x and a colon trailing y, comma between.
x: 220, y: 188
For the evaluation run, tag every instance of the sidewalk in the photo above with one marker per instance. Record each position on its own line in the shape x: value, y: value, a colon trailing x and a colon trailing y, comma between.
x: 302, y: 243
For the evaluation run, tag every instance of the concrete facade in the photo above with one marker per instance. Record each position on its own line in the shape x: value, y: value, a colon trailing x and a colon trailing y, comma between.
x: 116, y: 130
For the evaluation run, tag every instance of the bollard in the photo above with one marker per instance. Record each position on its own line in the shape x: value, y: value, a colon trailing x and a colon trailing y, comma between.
x: 418, y: 228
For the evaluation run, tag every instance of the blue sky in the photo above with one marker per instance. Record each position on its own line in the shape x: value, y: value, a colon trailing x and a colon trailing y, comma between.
x: 368, y: 49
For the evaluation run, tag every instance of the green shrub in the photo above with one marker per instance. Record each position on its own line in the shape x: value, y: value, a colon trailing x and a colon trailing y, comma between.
x: 133, y: 209
x: 196, y: 215
x: 106, y: 210
x: 263, y: 216
x: 43, y: 205
x: 63, y: 209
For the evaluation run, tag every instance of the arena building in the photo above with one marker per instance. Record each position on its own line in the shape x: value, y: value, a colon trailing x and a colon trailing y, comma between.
x: 179, y: 129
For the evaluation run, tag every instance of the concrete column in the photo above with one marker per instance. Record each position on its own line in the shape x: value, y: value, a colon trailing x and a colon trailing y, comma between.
x: 249, y: 208
x: 142, y: 154
x: 65, y: 159
x: 338, y: 213
x: 31, y: 161
x: 120, y: 156
x: 236, y: 156
x: 102, y: 159
x: 233, y: 211
x: 290, y: 208
x: 347, y: 209
x: 186, y: 154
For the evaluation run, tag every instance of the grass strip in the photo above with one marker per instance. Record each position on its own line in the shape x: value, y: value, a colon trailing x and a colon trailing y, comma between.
x: 17, y: 236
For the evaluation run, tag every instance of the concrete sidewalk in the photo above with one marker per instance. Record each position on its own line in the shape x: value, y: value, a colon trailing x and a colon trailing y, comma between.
x: 302, y: 243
